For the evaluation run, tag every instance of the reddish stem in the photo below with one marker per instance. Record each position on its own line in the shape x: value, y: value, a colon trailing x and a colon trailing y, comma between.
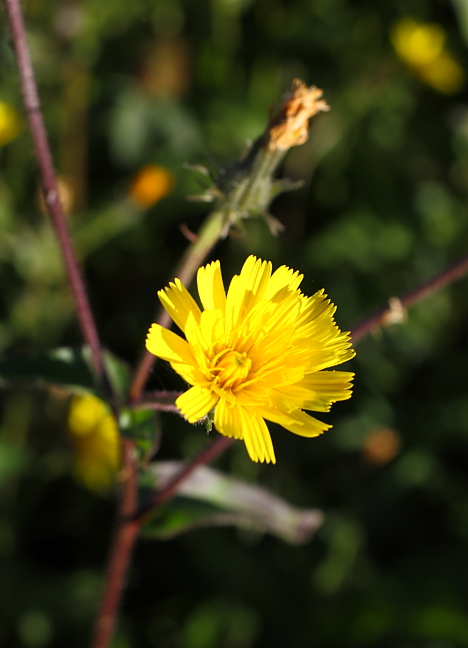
x: 129, y: 524
x: 219, y: 445
x: 381, y: 316
x: 126, y: 533
x: 48, y: 181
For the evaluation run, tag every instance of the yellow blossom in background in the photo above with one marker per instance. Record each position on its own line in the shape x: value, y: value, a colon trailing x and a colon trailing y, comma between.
x: 10, y: 123
x: 422, y: 47
x: 150, y: 184
x: 256, y: 353
x: 95, y: 438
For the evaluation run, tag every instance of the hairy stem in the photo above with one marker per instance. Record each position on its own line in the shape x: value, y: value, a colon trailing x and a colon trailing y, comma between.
x: 382, y: 317
x: 125, y: 535
x: 218, y: 446
x: 48, y: 181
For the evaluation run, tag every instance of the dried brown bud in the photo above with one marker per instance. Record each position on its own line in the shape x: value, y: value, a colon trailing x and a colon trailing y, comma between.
x: 289, y: 124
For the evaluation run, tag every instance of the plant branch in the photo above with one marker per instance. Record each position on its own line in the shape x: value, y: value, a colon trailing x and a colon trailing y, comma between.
x: 48, y: 181
x: 384, y: 315
x: 126, y: 533
x: 218, y: 446
x: 129, y: 523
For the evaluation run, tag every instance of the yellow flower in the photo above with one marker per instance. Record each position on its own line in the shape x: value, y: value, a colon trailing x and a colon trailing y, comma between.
x: 10, y: 123
x: 422, y: 47
x: 150, y: 184
x: 256, y: 353
x: 95, y: 437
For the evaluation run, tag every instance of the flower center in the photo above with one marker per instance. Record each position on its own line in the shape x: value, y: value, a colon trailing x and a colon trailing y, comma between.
x: 230, y: 368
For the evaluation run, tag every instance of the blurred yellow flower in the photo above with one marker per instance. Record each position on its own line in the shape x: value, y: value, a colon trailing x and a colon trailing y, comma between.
x: 255, y: 353
x: 10, y: 123
x: 422, y: 47
x: 150, y: 184
x: 95, y: 438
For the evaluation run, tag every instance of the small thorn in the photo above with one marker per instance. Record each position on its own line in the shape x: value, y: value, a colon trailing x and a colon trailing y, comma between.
x: 188, y: 234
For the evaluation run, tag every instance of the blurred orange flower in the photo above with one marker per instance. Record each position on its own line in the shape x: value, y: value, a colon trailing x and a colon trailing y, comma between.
x: 381, y: 446
x: 151, y: 183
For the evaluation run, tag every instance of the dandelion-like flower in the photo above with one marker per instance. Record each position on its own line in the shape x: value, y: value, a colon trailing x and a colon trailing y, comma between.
x: 256, y: 353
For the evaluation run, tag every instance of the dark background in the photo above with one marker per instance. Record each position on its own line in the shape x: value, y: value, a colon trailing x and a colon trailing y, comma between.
x: 125, y: 84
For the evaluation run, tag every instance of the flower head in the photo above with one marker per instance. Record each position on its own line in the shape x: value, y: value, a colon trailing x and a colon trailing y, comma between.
x: 256, y: 353
x: 95, y: 437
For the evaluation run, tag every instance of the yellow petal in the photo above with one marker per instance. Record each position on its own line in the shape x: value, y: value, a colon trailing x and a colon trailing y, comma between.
x: 190, y: 373
x: 296, y: 421
x: 228, y: 420
x: 247, y: 289
x: 195, y: 403
x: 282, y: 282
x: 239, y: 423
x: 319, y: 390
x: 212, y: 326
x: 257, y: 435
x: 211, y: 287
x: 178, y: 302
x: 167, y: 345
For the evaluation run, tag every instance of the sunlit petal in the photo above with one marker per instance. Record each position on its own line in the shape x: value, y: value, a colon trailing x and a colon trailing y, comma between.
x: 211, y: 287
x: 167, y: 345
x: 178, y: 302
x: 195, y: 403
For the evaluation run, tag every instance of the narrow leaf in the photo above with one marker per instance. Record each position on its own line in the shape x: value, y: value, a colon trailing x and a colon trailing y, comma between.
x: 245, y: 504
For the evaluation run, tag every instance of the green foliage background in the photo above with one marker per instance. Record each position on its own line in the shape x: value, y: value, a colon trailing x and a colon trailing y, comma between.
x: 124, y: 84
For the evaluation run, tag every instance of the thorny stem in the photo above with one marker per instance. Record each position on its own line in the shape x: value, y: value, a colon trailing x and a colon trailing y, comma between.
x: 48, y: 182
x: 382, y: 316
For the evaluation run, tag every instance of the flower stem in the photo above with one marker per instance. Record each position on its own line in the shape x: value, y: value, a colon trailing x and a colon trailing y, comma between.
x: 48, y: 181
x: 130, y: 521
x: 125, y: 536
x: 217, y: 447
x: 194, y: 256
x: 381, y: 317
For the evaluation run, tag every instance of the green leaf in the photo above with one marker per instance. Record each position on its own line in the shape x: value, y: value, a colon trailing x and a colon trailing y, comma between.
x: 230, y: 501
x: 12, y: 461
x: 66, y: 367
x: 141, y: 426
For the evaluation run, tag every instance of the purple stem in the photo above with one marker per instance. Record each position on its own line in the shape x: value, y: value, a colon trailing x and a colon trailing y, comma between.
x: 48, y: 181
x: 442, y: 279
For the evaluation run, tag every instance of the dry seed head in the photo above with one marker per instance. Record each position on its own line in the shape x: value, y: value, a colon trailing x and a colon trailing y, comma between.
x: 289, y: 125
